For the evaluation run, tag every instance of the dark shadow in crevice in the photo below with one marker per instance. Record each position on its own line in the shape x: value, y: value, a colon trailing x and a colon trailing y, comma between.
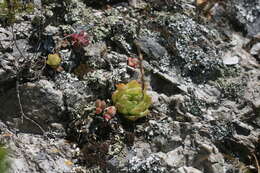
x: 162, y: 85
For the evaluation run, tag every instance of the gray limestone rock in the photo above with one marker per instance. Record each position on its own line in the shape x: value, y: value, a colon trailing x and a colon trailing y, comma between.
x: 188, y: 169
x: 51, y: 30
x: 257, y: 106
x: 40, y: 102
x: 35, y: 154
x: 255, y: 50
x: 7, y: 67
x: 151, y: 164
x: 5, y: 39
x: 152, y: 48
x: 193, y: 48
x: 245, y: 14
x: 175, y: 158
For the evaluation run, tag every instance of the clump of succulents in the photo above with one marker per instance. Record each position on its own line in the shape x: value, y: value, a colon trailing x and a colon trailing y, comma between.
x: 131, y: 100
x: 107, y: 112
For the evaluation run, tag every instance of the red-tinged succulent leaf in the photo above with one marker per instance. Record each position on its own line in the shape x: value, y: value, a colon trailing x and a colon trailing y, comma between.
x: 121, y: 86
x: 79, y: 39
x: 98, y: 103
x: 103, y: 105
x: 111, y: 110
x: 99, y: 110
x: 107, y: 117
x: 133, y: 62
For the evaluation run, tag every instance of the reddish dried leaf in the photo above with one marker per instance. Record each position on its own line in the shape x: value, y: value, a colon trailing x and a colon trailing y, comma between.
x: 99, y: 110
x: 7, y: 135
x: 68, y: 163
x: 59, y: 69
x: 200, y: 2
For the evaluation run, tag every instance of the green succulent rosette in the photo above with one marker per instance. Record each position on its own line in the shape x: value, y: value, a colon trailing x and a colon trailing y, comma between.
x: 53, y: 60
x: 130, y: 101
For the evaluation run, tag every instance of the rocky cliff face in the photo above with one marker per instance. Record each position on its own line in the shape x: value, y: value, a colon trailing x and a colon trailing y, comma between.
x: 201, y: 67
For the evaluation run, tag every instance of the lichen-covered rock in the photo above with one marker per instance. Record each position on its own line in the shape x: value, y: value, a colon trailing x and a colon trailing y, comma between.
x: 245, y: 14
x: 5, y: 38
x: 193, y: 45
x: 76, y: 94
x: 156, y: 54
x: 40, y: 101
x: 7, y: 67
x: 29, y: 153
x: 151, y: 164
x: 102, y: 2
x: 186, y: 169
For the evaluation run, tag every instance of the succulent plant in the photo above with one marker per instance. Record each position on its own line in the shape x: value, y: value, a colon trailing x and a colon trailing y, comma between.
x: 131, y: 101
x: 133, y: 62
x: 79, y: 39
x: 100, y: 106
x: 107, y: 112
x: 3, y: 162
x: 53, y: 60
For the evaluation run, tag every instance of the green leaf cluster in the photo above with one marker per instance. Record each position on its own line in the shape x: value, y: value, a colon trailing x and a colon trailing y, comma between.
x: 3, y: 160
x: 8, y: 9
x: 131, y: 101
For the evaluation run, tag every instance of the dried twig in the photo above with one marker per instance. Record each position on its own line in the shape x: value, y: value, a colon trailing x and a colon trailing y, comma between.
x: 256, y: 162
x: 15, y: 43
x: 18, y: 70
x: 140, y: 56
x: 19, y: 98
x: 23, y: 116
